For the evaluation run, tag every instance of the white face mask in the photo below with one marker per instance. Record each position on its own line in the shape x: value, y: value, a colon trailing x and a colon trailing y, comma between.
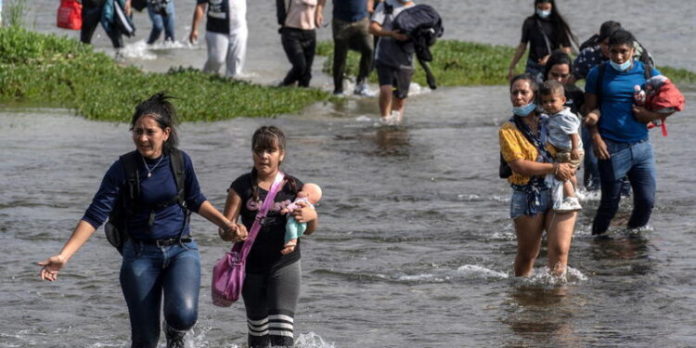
x: 543, y: 13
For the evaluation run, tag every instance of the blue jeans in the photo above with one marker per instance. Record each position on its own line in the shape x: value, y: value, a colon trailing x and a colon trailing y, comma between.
x: 638, y: 163
x: 590, y: 177
x: 161, y: 22
x: 148, y: 272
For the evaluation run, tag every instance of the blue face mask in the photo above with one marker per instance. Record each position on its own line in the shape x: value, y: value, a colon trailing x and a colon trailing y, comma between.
x: 524, y: 111
x: 621, y: 67
x: 542, y: 13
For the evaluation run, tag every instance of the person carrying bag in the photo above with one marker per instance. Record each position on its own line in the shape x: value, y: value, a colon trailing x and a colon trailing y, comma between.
x: 229, y: 271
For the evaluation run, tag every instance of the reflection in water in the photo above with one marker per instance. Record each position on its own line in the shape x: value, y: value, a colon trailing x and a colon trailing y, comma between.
x: 627, y: 255
x: 392, y: 141
x: 541, y: 316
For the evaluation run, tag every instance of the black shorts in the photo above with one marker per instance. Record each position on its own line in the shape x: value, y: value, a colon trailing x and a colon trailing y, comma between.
x: 399, y: 78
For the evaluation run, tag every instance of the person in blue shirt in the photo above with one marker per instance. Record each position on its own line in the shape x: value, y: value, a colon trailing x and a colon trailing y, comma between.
x: 620, y: 137
x: 161, y: 263
x: 351, y: 30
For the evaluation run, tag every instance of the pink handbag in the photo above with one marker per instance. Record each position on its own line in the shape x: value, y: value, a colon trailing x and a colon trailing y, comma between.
x: 228, y: 273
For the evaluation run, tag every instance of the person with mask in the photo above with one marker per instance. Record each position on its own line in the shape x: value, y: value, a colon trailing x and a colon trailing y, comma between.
x: 545, y: 31
x: 351, y: 30
x: 620, y: 138
x: 522, y: 145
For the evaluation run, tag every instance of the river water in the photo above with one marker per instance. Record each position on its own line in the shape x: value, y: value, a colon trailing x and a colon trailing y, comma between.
x: 415, y: 247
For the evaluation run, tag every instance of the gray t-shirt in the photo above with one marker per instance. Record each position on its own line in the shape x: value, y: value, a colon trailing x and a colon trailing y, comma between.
x: 389, y: 51
x: 560, y: 126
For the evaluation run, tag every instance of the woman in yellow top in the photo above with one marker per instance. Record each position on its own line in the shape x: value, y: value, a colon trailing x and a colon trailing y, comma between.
x: 522, y: 146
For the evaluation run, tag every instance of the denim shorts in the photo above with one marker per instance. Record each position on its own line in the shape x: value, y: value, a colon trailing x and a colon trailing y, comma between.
x: 519, y: 203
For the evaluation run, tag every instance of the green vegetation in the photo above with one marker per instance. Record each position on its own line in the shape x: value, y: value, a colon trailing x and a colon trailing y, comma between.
x: 47, y: 70
x: 457, y: 63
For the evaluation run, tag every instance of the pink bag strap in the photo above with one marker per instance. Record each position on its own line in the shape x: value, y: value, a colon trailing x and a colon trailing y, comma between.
x: 261, y: 215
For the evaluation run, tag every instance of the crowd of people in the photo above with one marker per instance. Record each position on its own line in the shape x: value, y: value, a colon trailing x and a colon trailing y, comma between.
x: 555, y: 128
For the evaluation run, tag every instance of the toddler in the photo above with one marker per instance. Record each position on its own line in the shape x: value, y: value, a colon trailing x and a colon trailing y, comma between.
x: 563, y: 143
x: 310, y: 194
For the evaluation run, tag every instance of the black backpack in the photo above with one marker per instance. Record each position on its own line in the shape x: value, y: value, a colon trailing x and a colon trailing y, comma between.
x: 424, y: 26
x: 116, y: 227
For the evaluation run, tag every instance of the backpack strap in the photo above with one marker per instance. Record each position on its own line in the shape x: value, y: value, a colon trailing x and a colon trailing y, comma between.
x: 129, y: 162
x: 176, y: 160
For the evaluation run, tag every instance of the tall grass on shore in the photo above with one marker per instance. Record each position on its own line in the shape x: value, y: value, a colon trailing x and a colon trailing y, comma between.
x: 47, y: 70
x: 457, y: 63
x: 13, y: 13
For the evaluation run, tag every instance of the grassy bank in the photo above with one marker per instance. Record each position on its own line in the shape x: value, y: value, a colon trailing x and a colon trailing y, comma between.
x: 47, y: 70
x: 457, y: 63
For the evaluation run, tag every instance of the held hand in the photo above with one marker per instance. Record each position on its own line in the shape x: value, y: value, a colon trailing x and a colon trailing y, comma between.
x: 565, y: 171
x: 600, y: 148
x: 231, y: 232
x: 289, y: 247
x: 544, y: 59
x: 575, y: 154
x: 305, y: 213
x: 51, y: 266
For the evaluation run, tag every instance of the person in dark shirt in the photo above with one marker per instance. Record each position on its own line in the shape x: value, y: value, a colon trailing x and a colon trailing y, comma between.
x: 92, y: 13
x: 351, y: 30
x: 161, y: 263
x: 544, y: 31
x: 272, y: 282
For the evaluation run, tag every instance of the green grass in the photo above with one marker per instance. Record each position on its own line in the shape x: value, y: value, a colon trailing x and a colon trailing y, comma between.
x: 457, y: 63
x: 47, y: 70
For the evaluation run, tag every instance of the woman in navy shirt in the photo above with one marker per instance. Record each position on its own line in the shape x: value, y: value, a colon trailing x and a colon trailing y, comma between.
x: 160, y: 259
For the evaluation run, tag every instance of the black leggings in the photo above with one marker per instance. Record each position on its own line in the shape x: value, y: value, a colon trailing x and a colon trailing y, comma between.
x: 299, y: 46
x: 270, y: 300
x: 91, y: 17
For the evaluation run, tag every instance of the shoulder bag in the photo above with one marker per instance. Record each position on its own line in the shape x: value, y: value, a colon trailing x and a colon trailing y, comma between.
x: 229, y: 271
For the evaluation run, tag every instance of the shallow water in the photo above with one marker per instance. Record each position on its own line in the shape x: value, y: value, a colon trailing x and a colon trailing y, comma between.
x: 414, y: 248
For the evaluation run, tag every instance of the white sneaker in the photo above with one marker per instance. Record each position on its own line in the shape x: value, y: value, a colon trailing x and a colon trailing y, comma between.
x: 569, y: 204
x: 362, y: 90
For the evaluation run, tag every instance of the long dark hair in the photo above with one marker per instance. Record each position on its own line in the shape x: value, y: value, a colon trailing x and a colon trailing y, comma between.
x: 265, y: 138
x: 561, y: 29
x: 558, y: 57
x: 161, y: 110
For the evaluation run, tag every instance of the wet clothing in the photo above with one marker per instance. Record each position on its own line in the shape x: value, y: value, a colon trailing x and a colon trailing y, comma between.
x: 152, y: 274
x: 617, y: 122
x: 400, y: 79
x: 163, y: 19
x: 300, y: 47
x: 353, y: 35
x: 299, y: 38
x: 270, y: 300
x: 226, y: 36
x: 160, y: 187
x: 272, y: 285
x: 390, y: 52
x: 92, y: 12
x: 153, y: 277
x: 628, y: 144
